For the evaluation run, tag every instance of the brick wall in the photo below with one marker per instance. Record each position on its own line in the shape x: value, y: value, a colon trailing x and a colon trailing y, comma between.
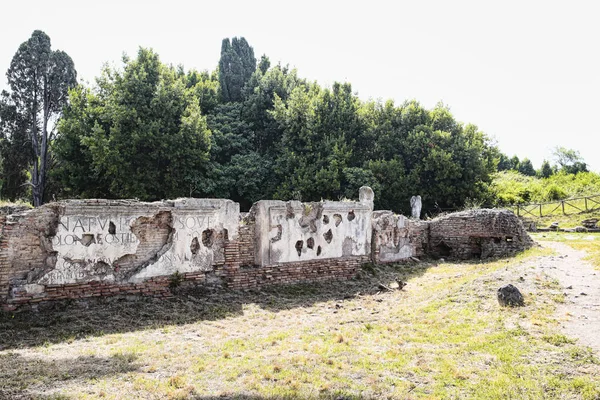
x: 477, y: 234
x: 25, y: 246
x: 246, y: 239
x: 298, y: 272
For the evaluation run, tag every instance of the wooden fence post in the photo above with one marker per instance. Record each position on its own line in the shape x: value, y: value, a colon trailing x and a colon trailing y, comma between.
x: 562, y: 203
x: 585, y: 198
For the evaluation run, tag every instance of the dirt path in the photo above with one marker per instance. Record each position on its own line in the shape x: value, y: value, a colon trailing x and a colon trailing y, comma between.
x: 581, y: 285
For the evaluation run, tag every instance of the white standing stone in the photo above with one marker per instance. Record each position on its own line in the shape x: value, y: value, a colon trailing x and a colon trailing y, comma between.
x: 415, y: 204
x: 366, y: 196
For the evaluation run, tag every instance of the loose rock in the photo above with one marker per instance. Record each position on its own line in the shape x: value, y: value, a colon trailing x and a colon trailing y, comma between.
x: 590, y: 223
x: 510, y: 296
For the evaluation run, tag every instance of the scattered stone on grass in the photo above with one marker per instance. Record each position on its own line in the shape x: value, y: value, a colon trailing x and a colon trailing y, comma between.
x: 510, y: 296
x: 591, y: 223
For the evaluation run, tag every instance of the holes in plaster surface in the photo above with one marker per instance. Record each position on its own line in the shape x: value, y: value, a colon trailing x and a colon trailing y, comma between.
x: 351, y: 215
x: 310, y: 243
x: 325, y: 219
x: 195, y: 246
x: 338, y: 219
x: 328, y: 236
x: 112, y: 229
x: 509, y: 238
x: 87, y: 239
x: 207, y: 237
x: 318, y: 250
x: 289, y: 211
x: 299, y: 245
x: 279, y: 233
x: 496, y: 240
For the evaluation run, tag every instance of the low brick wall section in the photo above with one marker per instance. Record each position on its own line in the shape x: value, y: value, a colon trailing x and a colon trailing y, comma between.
x: 235, y: 278
x: 290, y: 273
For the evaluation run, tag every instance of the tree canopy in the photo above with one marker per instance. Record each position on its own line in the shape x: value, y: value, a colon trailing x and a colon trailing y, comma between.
x: 245, y: 131
x: 139, y: 133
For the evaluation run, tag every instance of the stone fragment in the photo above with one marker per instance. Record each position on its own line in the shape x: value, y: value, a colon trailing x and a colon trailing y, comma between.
x: 590, y: 223
x: 510, y: 296
x: 366, y: 196
x: 415, y: 205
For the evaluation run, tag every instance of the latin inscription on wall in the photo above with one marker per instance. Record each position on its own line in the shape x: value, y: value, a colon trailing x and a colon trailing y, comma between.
x: 97, y: 245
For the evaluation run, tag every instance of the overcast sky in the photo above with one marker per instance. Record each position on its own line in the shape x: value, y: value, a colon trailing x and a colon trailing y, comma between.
x: 526, y: 72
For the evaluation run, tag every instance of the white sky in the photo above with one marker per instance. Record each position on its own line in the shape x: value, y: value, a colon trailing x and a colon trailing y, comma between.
x: 526, y: 72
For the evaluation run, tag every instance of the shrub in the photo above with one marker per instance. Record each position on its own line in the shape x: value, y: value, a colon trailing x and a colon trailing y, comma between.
x: 555, y: 192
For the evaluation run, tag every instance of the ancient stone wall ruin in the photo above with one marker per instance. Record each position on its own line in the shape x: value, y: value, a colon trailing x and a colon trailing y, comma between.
x: 94, y: 248
x: 477, y: 234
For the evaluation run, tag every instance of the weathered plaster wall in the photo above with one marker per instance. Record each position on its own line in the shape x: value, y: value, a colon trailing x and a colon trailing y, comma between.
x: 396, y: 237
x: 26, y: 247
x: 293, y: 231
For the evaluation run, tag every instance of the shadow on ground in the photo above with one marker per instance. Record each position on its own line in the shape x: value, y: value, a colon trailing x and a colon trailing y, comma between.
x: 73, y: 320
x: 18, y: 374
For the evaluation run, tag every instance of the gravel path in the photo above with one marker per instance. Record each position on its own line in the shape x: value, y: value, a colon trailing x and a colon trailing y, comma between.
x: 581, y: 285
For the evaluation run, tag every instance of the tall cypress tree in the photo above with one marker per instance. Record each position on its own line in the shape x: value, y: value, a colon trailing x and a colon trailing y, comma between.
x: 39, y: 79
x: 236, y: 66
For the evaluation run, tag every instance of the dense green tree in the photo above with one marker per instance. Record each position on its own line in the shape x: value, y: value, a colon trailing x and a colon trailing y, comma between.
x: 15, y: 151
x: 526, y: 167
x: 259, y: 97
x: 237, y: 171
x: 39, y: 79
x: 264, y: 64
x: 427, y: 153
x: 76, y: 170
x: 504, y: 162
x: 236, y: 66
x: 514, y: 163
x: 546, y: 170
x: 140, y: 131
x: 274, y: 135
x: 320, y: 127
x: 353, y: 178
x: 569, y: 161
x: 206, y: 89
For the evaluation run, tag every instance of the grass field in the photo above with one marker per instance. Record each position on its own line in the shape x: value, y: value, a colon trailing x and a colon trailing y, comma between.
x: 443, y: 336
